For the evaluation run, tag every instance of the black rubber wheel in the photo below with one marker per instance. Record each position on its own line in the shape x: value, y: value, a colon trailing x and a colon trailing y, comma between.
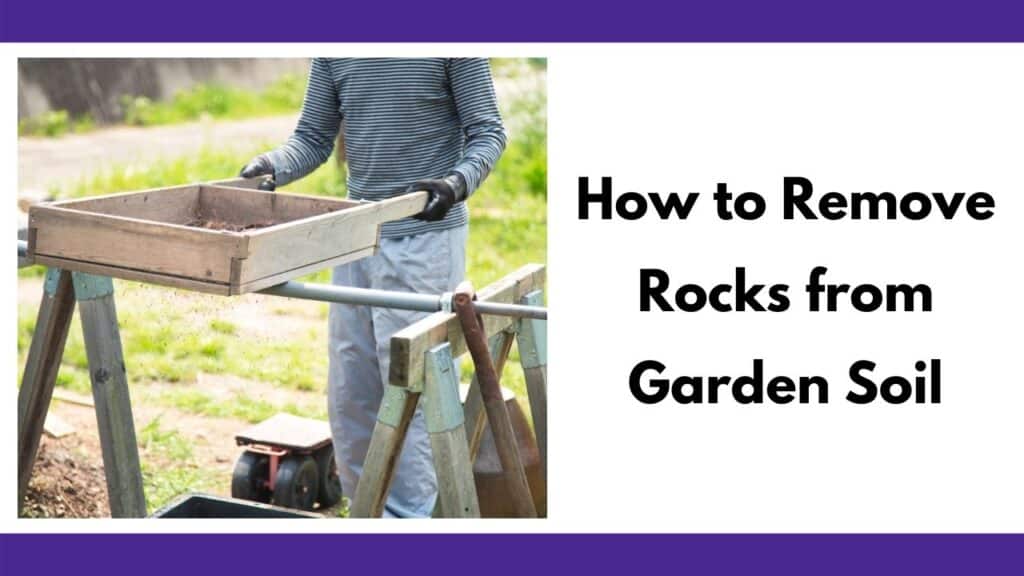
x: 249, y: 480
x: 330, y: 483
x: 297, y: 483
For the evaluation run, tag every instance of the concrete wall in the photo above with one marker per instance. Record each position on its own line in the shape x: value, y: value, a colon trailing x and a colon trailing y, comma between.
x: 96, y: 85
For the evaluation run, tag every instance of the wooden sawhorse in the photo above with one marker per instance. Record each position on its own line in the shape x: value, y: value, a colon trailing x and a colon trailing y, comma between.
x: 422, y: 364
x: 95, y: 298
x: 423, y: 370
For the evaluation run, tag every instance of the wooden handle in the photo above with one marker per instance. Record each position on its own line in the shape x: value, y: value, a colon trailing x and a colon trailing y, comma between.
x: 494, y: 403
x: 402, y: 206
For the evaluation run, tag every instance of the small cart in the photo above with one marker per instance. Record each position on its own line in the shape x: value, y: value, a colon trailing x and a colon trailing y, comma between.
x: 288, y: 461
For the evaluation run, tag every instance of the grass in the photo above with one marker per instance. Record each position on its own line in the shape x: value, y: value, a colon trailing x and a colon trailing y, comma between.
x: 169, y: 468
x: 204, y: 100
x: 172, y: 337
x: 217, y: 101
x: 55, y: 123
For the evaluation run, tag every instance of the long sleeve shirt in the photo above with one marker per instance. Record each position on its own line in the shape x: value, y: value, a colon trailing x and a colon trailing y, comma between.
x: 406, y: 119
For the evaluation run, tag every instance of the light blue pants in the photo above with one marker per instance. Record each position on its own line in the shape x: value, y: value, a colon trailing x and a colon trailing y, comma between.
x: 359, y: 350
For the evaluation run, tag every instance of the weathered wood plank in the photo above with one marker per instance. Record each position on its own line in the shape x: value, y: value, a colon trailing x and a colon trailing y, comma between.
x: 313, y: 240
x: 169, y: 249
x: 44, y: 355
x: 409, y: 345
x: 146, y: 235
x: 401, y: 206
x: 456, y: 491
x: 221, y: 288
x: 275, y: 279
x: 114, y: 419
x: 445, y: 423
x: 237, y: 182
x: 243, y: 206
x: 178, y: 205
x: 396, y: 413
x: 532, y: 341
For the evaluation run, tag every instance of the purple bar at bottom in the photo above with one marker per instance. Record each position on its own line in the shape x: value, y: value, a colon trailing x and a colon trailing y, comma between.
x: 513, y: 554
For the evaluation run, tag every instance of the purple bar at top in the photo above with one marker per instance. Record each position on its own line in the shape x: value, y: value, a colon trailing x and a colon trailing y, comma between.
x: 513, y: 21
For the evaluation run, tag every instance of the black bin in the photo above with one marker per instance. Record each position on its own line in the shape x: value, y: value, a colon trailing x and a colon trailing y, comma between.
x: 209, y: 506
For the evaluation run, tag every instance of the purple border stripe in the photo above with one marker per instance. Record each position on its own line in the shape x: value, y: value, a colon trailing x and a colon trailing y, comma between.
x: 512, y: 554
x: 516, y: 21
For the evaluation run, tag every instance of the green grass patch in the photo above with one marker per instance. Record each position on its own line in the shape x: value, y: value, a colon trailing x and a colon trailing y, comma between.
x: 205, y: 100
x: 168, y: 466
x: 217, y: 101
x: 240, y: 407
x: 55, y: 123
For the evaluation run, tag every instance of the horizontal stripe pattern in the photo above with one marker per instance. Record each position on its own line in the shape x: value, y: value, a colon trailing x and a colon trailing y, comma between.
x: 406, y: 119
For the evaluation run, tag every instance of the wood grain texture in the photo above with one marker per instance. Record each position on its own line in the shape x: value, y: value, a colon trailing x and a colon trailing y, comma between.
x: 275, y: 279
x: 381, y: 461
x: 409, y: 345
x: 241, y: 206
x: 174, y: 206
x: 221, y: 288
x: 145, y: 235
x: 456, y: 489
x: 537, y: 394
x: 41, y: 367
x: 113, y: 407
x: 282, y: 248
x: 532, y: 339
x: 166, y: 249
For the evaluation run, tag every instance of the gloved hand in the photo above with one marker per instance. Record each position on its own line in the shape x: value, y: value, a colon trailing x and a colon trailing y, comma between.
x: 259, y: 166
x: 444, y: 193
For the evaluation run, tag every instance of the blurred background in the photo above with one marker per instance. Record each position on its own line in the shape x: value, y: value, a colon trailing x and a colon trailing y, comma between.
x: 203, y: 367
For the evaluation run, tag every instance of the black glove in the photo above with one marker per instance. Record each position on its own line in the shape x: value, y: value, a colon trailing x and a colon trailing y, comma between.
x: 444, y: 193
x: 260, y: 166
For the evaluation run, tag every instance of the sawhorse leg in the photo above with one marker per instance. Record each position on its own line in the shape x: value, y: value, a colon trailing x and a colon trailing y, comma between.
x: 95, y: 296
x: 446, y: 425
x: 396, y: 412
x: 533, y: 355
x: 52, y: 323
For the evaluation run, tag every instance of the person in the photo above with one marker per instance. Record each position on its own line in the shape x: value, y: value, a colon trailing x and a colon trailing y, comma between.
x: 409, y: 124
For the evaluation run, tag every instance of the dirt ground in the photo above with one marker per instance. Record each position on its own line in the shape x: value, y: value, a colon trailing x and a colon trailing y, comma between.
x: 68, y: 481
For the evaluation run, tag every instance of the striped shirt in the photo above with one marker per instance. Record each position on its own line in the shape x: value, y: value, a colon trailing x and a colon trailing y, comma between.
x: 406, y: 119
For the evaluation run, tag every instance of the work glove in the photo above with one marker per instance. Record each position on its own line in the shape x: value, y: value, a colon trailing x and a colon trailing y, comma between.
x: 260, y: 166
x: 444, y: 193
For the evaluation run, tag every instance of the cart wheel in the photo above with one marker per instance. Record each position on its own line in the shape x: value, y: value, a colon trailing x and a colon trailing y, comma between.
x: 330, y: 484
x: 297, y: 483
x: 249, y: 480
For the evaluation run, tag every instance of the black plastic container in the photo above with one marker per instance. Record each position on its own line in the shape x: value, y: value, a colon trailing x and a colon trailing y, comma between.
x: 208, y: 506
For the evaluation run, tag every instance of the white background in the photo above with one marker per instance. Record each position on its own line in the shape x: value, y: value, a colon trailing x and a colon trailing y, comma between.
x: 680, y: 118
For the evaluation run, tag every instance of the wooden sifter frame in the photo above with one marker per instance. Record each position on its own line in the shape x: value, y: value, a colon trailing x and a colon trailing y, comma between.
x: 144, y: 235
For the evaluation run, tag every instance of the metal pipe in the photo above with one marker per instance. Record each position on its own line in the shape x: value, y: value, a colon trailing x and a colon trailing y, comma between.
x: 381, y: 298
x: 391, y: 299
